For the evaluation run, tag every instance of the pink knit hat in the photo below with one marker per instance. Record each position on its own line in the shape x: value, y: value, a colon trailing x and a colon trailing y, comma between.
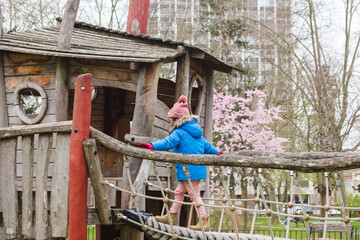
x: 180, y: 108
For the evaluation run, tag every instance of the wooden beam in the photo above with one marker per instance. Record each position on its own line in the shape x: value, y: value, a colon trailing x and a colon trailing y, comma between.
x: 135, y: 140
x: 197, y: 54
x: 94, y: 170
x: 67, y: 24
x: 4, y: 122
x: 33, y: 129
x: 61, y: 90
x: 143, y: 119
x: 303, y: 162
x: 208, y: 122
x: 182, y: 75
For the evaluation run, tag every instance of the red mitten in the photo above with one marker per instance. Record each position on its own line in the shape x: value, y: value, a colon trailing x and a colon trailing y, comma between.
x: 220, y: 153
x: 147, y: 146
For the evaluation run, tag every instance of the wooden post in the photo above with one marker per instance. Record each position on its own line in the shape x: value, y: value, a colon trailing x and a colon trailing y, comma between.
x: 93, y: 164
x: 61, y: 90
x: 182, y: 75
x: 3, y: 110
x: 67, y: 24
x: 78, y: 172
x: 137, y: 20
x: 144, y: 115
x: 209, y: 81
x: 208, y: 123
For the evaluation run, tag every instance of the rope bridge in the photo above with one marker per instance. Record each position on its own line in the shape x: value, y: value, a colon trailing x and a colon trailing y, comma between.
x: 307, y: 162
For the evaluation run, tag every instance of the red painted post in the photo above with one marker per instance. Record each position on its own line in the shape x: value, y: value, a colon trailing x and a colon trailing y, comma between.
x: 78, y: 172
x: 138, y: 15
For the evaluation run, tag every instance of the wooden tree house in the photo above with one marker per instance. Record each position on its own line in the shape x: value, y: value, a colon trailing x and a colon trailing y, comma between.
x: 129, y: 94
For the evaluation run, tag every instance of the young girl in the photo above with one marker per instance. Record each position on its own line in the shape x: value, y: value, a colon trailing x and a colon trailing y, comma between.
x: 185, y: 137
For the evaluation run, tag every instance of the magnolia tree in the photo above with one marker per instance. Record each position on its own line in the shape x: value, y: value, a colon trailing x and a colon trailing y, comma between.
x: 243, y: 123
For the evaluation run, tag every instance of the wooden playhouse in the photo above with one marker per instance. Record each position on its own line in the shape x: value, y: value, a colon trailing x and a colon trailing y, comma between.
x: 129, y: 96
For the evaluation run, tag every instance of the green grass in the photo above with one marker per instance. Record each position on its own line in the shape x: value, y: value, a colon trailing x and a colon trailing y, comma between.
x: 279, y: 230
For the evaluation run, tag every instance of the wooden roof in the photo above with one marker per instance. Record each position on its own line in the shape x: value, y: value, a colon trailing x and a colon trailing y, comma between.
x: 94, y: 42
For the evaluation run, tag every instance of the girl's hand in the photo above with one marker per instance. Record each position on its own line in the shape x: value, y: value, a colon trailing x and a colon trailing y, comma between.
x: 147, y: 146
x: 220, y: 153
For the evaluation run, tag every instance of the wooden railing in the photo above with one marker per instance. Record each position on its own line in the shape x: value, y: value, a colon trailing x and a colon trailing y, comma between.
x: 26, y: 152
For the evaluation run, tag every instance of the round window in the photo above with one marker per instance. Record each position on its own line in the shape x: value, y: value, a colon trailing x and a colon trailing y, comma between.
x: 30, y: 102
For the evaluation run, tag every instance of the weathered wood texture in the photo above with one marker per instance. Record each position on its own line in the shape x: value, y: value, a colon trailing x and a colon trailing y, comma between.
x: 60, y: 187
x: 27, y: 185
x: 67, y: 25
x: 39, y: 128
x: 42, y: 156
x: 33, y: 151
x: 161, y: 125
x: 143, y: 119
x: 182, y: 75
x: 303, y: 162
x: 112, y: 75
x: 209, y: 85
x: 3, y: 108
x: 93, y: 42
x: 208, y: 121
x: 96, y: 177
x: 61, y: 90
x: 37, y: 69
x: 144, y: 112
x: 8, y: 186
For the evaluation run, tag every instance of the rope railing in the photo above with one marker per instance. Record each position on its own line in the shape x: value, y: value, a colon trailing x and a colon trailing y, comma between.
x: 228, y: 205
x: 312, y: 162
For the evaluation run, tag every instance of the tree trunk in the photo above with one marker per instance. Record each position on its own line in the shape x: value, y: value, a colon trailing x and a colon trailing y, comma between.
x: 244, y: 194
x: 274, y: 218
x: 322, y: 192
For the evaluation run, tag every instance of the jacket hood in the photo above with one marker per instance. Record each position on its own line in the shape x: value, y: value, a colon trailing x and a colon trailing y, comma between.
x: 190, y: 124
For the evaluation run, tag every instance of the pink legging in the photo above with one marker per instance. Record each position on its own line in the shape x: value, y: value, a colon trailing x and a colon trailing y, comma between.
x: 181, y: 189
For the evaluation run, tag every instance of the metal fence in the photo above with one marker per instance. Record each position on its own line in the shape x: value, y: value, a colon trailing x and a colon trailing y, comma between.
x: 301, y: 234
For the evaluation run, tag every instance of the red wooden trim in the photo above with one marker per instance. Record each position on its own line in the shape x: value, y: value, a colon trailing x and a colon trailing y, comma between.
x: 137, y: 20
x: 78, y: 172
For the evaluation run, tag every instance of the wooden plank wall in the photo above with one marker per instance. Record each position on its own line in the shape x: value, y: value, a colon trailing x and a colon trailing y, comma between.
x: 19, y: 68
x: 105, y: 73
x: 35, y: 167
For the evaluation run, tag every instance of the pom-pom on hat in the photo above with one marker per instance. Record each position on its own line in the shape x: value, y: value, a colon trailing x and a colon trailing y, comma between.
x: 180, y: 108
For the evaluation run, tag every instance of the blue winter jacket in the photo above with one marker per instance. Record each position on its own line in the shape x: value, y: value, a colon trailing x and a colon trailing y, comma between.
x: 187, y: 139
